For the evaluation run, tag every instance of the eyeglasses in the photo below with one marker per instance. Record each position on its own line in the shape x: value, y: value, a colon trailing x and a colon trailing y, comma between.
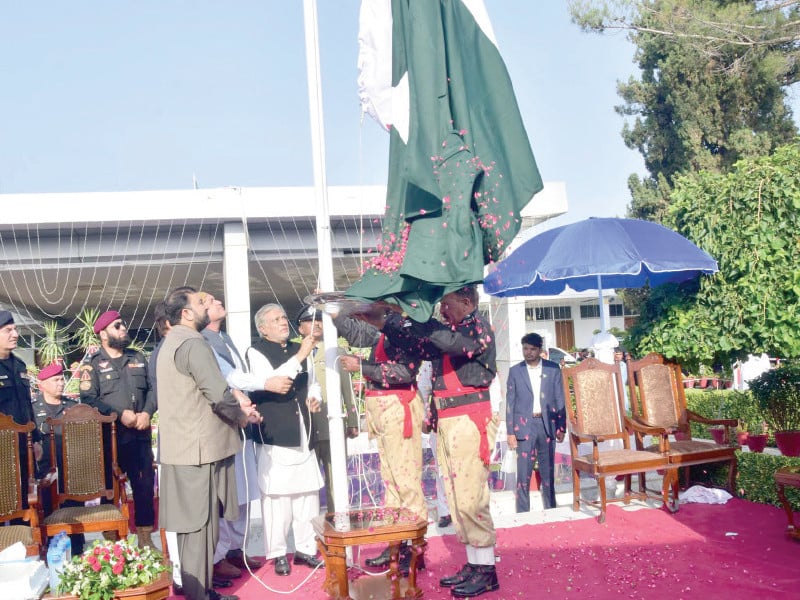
x: 119, y: 325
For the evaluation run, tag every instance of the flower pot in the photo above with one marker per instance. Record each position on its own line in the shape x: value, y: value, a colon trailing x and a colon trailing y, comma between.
x: 741, y: 438
x: 688, y: 383
x: 720, y: 435
x: 788, y: 442
x: 757, y: 442
x: 682, y: 436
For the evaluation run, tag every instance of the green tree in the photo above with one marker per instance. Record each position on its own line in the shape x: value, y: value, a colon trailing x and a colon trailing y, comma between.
x: 704, y: 100
x: 749, y: 220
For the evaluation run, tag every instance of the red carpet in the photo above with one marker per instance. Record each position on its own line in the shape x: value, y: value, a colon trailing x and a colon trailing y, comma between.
x: 638, y: 554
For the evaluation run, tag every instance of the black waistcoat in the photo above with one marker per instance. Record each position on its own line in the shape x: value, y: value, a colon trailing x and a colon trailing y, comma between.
x: 281, y: 424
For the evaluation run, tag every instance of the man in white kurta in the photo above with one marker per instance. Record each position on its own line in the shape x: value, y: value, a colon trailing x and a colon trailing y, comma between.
x: 288, y: 472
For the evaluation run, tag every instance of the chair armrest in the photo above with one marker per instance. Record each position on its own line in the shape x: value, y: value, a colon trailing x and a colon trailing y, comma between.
x: 693, y: 416
x: 637, y: 424
x: 121, y: 478
x: 33, y: 492
x: 583, y: 437
x: 595, y: 438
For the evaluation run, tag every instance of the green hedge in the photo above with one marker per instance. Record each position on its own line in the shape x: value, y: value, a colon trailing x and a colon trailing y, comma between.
x: 756, y: 481
x: 722, y: 404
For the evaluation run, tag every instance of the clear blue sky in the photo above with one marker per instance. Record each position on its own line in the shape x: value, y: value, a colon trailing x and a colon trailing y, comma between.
x: 110, y: 96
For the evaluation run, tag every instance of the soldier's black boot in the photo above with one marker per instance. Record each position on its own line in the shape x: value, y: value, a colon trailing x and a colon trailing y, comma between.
x: 463, y: 574
x: 483, y: 579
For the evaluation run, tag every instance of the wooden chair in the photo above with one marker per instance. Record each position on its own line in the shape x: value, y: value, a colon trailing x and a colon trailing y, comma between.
x: 84, y: 461
x: 658, y: 400
x: 595, y: 408
x: 12, y: 488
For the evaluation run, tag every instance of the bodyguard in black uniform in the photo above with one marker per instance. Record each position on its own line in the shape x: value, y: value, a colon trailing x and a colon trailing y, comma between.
x: 114, y: 379
x: 15, y: 390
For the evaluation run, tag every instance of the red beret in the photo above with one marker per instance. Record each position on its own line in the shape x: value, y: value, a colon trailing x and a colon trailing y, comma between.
x: 106, y: 319
x: 50, y: 370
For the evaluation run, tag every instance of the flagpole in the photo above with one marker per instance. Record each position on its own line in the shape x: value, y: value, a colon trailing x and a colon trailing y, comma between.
x: 332, y: 381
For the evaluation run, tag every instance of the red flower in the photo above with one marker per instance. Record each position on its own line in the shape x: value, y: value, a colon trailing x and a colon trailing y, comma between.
x: 117, y: 568
x: 96, y: 567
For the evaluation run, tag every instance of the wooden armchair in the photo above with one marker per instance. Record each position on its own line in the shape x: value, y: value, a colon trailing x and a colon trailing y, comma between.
x: 84, y: 478
x: 12, y: 488
x: 658, y: 400
x: 595, y: 409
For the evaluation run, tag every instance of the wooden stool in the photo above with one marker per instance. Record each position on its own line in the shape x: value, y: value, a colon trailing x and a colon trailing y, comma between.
x: 788, y: 476
x: 335, y: 532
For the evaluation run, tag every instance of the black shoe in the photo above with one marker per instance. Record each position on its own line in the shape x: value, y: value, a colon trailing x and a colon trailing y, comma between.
x: 217, y: 582
x: 379, y: 561
x: 301, y: 558
x: 445, y: 521
x: 217, y: 596
x: 282, y: 566
x: 463, y: 574
x: 483, y: 579
x: 177, y: 590
x: 405, y: 563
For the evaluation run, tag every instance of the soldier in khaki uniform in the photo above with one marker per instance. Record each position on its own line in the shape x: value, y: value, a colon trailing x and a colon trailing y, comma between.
x: 462, y: 351
x: 394, y: 418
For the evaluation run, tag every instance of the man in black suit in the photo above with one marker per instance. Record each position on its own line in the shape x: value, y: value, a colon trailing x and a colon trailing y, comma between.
x: 535, y: 419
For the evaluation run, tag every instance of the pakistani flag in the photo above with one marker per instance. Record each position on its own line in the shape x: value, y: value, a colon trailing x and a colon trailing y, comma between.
x: 460, y: 163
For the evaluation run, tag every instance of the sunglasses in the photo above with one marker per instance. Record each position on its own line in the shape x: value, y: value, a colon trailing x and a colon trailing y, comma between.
x: 119, y: 325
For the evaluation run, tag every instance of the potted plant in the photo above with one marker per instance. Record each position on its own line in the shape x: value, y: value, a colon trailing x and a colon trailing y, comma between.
x: 742, y: 433
x: 777, y: 392
x: 116, y: 570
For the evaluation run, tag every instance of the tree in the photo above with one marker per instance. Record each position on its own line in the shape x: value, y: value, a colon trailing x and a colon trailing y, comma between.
x: 704, y: 100
x: 748, y: 220
x: 708, y: 26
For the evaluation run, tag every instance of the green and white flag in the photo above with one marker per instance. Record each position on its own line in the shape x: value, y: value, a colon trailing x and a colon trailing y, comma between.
x: 460, y: 163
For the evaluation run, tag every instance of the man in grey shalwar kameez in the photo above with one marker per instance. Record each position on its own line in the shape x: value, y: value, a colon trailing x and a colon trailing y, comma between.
x: 198, y: 420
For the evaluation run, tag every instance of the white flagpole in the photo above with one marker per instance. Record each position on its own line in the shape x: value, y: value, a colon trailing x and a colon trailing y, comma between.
x: 332, y: 381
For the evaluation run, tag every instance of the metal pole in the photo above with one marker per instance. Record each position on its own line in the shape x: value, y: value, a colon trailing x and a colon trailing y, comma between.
x: 602, y: 307
x: 332, y: 382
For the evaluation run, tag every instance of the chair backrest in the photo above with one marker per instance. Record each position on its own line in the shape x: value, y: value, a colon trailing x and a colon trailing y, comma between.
x: 595, y: 402
x: 657, y: 387
x: 12, y: 487
x: 83, y: 453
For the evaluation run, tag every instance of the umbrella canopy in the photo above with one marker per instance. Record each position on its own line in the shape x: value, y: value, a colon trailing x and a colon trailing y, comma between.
x: 597, y: 253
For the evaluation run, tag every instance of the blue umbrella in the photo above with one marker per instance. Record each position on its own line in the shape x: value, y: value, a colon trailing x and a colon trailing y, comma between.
x: 591, y: 254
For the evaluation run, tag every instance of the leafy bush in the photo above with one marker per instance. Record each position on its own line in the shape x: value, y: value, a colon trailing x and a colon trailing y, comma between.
x: 723, y: 404
x: 756, y: 478
x: 777, y: 393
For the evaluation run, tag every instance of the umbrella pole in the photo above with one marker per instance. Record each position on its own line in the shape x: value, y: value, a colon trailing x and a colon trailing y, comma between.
x: 603, y: 328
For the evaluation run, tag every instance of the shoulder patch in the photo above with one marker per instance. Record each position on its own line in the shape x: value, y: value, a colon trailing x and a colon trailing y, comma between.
x: 86, y: 367
x: 85, y: 385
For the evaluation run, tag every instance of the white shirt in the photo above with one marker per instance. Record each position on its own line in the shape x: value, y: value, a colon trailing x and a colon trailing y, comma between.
x: 535, y: 375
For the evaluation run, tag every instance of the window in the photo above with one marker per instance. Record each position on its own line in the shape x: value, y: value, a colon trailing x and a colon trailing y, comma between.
x: 616, y: 310
x: 590, y: 311
x: 548, y: 313
x: 562, y: 313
